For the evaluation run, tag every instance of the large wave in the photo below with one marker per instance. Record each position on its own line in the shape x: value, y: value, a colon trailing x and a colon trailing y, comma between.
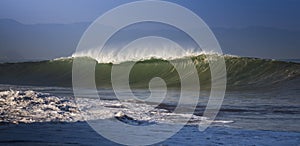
x: 242, y: 72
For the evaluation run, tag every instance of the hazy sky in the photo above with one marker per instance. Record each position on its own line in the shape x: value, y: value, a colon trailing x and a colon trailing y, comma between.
x: 224, y: 13
x: 255, y: 28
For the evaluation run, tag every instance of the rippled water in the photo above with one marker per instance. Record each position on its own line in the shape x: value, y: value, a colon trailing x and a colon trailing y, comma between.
x: 272, y: 109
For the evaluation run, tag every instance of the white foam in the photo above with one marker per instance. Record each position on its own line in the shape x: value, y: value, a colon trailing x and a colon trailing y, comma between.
x: 141, y: 49
x: 30, y: 106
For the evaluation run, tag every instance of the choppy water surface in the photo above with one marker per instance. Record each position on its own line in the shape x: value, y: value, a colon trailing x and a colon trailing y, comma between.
x: 270, y: 110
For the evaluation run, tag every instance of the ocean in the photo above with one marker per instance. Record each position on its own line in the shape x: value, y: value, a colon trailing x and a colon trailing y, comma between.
x: 261, y: 105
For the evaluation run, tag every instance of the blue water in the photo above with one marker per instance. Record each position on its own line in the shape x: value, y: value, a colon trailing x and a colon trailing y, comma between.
x: 261, y: 117
x: 291, y: 60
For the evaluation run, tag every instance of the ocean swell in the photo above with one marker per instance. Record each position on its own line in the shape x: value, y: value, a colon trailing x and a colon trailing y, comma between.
x: 242, y: 72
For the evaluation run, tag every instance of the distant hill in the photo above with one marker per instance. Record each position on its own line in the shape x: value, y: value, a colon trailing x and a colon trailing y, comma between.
x: 38, y: 42
x: 20, y: 42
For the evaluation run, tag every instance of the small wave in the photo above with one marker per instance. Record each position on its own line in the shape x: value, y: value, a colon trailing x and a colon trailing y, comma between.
x: 63, y: 58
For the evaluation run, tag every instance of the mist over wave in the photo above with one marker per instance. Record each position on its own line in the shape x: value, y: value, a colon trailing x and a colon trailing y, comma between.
x: 134, y: 55
x: 140, y: 49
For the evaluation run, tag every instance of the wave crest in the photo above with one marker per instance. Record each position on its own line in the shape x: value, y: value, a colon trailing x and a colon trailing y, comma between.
x: 136, y: 54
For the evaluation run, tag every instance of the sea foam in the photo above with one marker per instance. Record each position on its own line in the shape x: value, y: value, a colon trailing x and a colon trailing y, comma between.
x: 30, y: 106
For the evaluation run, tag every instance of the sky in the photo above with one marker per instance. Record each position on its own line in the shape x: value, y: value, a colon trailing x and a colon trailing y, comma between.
x: 223, y: 13
x: 231, y: 14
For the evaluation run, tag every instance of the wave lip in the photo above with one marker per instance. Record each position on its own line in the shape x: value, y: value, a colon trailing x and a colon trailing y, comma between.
x: 146, y: 54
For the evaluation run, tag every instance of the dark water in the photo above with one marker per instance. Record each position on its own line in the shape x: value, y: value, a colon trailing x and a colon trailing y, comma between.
x: 291, y: 60
x: 262, y: 101
x: 266, y: 117
x: 81, y: 134
x: 270, y: 109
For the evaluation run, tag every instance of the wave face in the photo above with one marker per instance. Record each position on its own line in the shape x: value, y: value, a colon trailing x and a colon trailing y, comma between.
x: 242, y: 72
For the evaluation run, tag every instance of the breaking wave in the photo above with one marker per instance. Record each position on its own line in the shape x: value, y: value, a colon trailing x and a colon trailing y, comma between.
x: 242, y: 72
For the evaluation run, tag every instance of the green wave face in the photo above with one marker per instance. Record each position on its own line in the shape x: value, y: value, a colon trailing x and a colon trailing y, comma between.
x: 242, y: 72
